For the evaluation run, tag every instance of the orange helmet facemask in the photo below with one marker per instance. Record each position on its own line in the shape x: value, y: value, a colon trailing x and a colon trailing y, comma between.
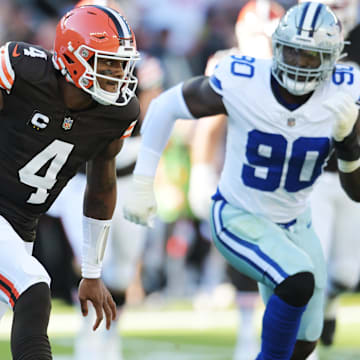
x: 88, y: 34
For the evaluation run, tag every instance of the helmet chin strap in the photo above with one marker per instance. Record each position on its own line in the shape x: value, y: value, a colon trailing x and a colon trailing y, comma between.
x: 298, y: 87
x: 104, y: 97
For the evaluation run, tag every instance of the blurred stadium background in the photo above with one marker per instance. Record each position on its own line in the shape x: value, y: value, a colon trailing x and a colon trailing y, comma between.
x: 160, y: 331
x: 169, y: 316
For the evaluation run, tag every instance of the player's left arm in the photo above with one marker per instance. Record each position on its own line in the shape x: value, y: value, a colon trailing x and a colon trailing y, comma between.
x: 192, y: 99
x: 99, y: 205
x: 349, y: 170
x: 100, y: 193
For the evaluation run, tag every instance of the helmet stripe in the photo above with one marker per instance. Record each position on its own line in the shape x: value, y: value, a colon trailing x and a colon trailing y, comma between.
x: 309, y: 18
x: 303, y: 15
x: 122, y: 28
x: 316, y: 16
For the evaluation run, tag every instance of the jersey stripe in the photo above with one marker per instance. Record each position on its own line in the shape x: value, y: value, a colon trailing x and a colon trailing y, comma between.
x: 2, y: 84
x: 8, y: 288
x: 129, y: 130
x: 215, y: 82
x: 7, y: 74
x: 5, y: 69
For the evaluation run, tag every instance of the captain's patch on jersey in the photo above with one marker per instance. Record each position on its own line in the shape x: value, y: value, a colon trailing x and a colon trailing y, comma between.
x: 39, y: 121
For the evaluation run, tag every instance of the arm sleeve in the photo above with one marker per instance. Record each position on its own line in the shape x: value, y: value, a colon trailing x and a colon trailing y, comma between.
x: 158, y: 124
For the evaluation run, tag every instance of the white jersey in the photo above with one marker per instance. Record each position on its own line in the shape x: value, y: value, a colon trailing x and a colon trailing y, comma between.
x: 274, y: 155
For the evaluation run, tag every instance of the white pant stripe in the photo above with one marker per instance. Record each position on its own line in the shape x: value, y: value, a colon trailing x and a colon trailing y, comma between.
x: 254, y: 257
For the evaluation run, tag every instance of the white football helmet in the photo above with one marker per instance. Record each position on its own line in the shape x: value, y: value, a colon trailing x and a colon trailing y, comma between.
x: 311, y: 28
x: 345, y: 10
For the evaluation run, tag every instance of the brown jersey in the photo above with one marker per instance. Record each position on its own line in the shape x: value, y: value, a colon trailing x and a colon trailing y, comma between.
x: 42, y: 143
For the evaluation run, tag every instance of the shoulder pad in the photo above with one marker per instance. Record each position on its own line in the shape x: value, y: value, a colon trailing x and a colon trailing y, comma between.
x: 24, y: 60
x: 221, y: 74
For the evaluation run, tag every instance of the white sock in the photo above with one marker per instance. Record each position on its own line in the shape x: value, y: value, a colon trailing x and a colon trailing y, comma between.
x: 247, y: 342
x: 331, y: 307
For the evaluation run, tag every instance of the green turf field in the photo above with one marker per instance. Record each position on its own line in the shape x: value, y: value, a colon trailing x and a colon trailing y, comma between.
x: 179, y: 333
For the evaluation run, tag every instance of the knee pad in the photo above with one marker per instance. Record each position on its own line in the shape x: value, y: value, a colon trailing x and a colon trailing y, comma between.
x: 29, y: 340
x: 296, y: 290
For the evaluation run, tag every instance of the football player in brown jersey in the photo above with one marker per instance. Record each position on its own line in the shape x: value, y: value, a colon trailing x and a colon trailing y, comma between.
x: 58, y: 111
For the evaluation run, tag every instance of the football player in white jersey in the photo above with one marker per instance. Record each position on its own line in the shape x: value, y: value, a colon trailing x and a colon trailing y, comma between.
x: 255, y: 24
x: 284, y: 118
x: 329, y: 201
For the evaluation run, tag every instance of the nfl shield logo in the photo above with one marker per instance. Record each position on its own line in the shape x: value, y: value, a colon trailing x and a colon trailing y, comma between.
x: 291, y: 122
x: 67, y: 124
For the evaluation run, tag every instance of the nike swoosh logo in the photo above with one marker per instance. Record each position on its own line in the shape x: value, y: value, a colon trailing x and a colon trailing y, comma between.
x: 15, y: 52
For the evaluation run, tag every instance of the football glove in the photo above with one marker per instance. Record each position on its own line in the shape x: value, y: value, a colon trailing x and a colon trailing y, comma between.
x: 140, y: 204
x: 343, y: 107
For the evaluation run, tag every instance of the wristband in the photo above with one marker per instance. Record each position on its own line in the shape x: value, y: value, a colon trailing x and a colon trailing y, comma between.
x: 348, y: 166
x: 349, y: 148
x: 94, y: 243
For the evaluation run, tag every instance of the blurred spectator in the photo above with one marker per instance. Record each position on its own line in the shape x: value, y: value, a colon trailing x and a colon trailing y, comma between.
x: 184, y: 20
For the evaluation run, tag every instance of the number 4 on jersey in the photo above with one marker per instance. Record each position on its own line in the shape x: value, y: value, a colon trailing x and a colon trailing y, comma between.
x: 57, y: 152
x: 34, y: 52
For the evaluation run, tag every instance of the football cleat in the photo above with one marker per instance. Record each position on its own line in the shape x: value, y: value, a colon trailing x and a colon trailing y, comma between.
x: 328, y: 332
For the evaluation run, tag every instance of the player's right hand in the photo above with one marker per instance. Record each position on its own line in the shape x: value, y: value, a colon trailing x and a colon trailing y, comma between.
x: 140, y: 204
x: 95, y: 291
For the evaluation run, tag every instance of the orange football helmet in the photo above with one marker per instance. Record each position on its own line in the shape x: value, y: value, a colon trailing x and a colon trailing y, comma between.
x: 89, y: 33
